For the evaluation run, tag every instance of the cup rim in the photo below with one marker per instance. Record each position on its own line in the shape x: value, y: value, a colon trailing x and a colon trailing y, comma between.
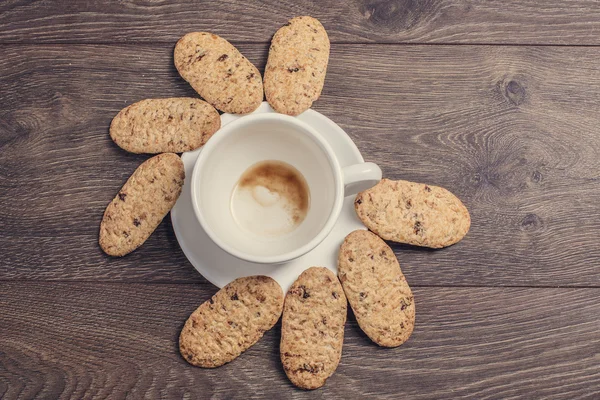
x: 228, y: 129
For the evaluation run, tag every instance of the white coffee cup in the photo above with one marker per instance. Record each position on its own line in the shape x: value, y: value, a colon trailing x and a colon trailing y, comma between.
x: 260, y: 137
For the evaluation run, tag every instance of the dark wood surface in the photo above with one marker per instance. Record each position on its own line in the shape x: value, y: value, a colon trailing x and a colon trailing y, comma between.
x: 357, y: 21
x: 471, y: 95
x: 113, y: 340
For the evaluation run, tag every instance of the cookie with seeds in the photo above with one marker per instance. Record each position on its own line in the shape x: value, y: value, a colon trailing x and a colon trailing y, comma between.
x: 312, y: 328
x: 219, y: 72
x: 141, y: 204
x: 231, y: 321
x: 413, y: 213
x: 378, y: 293
x: 172, y: 125
x: 296, y: 67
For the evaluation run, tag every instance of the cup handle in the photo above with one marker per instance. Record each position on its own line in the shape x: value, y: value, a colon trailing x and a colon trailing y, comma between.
x: 359, y: 177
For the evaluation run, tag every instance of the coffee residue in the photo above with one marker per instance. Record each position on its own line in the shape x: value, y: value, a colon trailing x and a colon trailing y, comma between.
x: 276, y: 183
x: 281, y: 178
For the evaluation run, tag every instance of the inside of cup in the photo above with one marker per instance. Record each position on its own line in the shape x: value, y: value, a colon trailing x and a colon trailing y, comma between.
x: 251, y: 142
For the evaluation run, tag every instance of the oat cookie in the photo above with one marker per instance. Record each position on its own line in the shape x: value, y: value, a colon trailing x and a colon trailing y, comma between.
x: 170, y: 125
x: 376, y: 289
x: 144, y: 200
x: 231, y: 321
x: 413, y: 213
x: 312, y: 328
x: 219, y: 72
x: 295, y: 71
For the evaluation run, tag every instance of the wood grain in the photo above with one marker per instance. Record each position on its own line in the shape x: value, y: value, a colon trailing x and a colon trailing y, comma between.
x: 391, y: 21
x: 513, y: 131
x: 114, y: 341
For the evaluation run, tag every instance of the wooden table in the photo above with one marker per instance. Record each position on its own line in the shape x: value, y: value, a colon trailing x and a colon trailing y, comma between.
x: 498, y: 101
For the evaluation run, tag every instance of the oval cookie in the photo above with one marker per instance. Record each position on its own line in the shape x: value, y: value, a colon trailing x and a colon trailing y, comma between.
x: 376, y: 289
x: 144, y: 200
x: 413, y: 213
x: 172, y: 125
x: 312, y: 328
x: 219, y: 72
x: 295, y: 71
x: 231, y: 321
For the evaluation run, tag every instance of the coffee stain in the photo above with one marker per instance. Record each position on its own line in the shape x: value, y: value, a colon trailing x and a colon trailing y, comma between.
x: 281, y: 178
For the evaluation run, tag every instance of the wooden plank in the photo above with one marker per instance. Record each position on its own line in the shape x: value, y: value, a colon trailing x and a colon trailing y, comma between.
x: 513, y: 131
x: 114, y: 340
x: 390, y: 21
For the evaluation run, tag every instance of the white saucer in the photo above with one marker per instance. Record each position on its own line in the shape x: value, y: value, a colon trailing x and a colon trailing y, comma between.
x: 220, y: 267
